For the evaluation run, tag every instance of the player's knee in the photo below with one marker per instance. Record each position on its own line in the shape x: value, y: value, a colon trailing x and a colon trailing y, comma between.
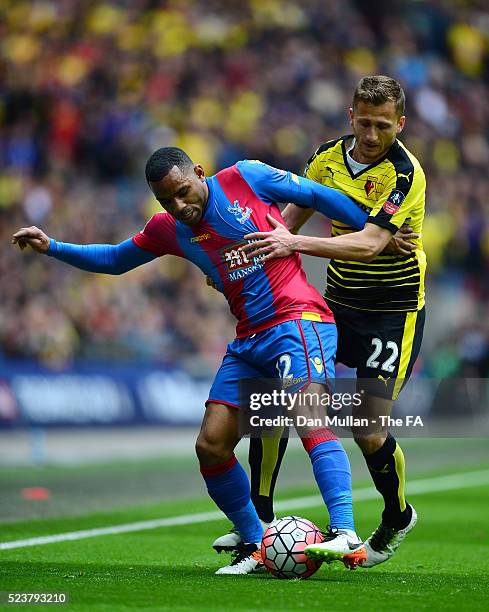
x: 212, y: 451
x: 370, y: 444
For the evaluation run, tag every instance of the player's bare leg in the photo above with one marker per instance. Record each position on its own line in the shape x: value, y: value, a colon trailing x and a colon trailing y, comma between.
x: 228, y: 484
x: 385, y: 461
x: 218, y: 434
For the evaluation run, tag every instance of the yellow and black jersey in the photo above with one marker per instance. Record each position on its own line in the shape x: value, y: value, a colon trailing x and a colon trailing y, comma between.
x: 392, y: 191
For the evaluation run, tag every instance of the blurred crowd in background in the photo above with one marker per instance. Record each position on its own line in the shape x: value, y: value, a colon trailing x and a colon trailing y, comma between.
x: 89, y: 89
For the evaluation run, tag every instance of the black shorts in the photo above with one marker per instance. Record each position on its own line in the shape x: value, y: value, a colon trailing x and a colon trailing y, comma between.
x: 382, y: 346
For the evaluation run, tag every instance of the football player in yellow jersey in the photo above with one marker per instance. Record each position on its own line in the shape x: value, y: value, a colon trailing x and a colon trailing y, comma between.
x: 377, y: 298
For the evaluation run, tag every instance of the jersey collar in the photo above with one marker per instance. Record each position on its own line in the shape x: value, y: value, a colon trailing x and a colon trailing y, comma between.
x: 352, y: 174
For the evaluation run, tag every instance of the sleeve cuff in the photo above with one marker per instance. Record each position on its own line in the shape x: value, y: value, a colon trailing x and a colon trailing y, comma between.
x: 53, y: 247
x: 383, y: 223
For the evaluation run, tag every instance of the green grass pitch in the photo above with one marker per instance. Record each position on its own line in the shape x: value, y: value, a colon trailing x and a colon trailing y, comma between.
x: 443, y: 564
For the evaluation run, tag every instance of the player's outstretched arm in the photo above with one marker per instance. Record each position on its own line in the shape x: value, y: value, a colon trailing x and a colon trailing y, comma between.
x: 102, y: 258
x: 401, y: 242
x: 357, y: 246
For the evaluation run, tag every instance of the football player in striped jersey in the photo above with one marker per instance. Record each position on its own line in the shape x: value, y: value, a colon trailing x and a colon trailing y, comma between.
x: 377, y: 297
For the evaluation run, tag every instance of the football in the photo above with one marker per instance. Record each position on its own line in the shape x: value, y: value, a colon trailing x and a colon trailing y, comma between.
x: 282, y: 547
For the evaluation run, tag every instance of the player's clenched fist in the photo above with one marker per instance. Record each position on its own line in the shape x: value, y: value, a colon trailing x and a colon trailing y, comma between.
x: 32, y: 236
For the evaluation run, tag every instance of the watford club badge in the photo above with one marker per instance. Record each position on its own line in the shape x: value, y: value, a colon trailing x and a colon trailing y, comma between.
x: 370, y: 185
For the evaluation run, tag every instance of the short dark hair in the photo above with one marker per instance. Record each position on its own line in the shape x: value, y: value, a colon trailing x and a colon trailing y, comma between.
x: 162, y: 161
x: 378, y: 90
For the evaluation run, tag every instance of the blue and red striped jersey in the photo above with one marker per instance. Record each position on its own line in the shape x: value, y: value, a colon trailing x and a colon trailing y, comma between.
x: 259, y: 294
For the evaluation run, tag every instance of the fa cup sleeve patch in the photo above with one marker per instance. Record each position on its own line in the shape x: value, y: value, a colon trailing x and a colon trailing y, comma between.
x: 393, y: 202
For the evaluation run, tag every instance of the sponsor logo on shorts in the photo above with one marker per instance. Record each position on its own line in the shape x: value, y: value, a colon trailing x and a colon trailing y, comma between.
x: 288, y: 382
x: 384, y: 380
x: 317, y: 363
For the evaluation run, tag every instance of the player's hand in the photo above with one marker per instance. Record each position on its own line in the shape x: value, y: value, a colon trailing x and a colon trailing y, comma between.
x: 211, y: 283
x: 33, y: 237
x: 277, y: 243
x: 401, y: 243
